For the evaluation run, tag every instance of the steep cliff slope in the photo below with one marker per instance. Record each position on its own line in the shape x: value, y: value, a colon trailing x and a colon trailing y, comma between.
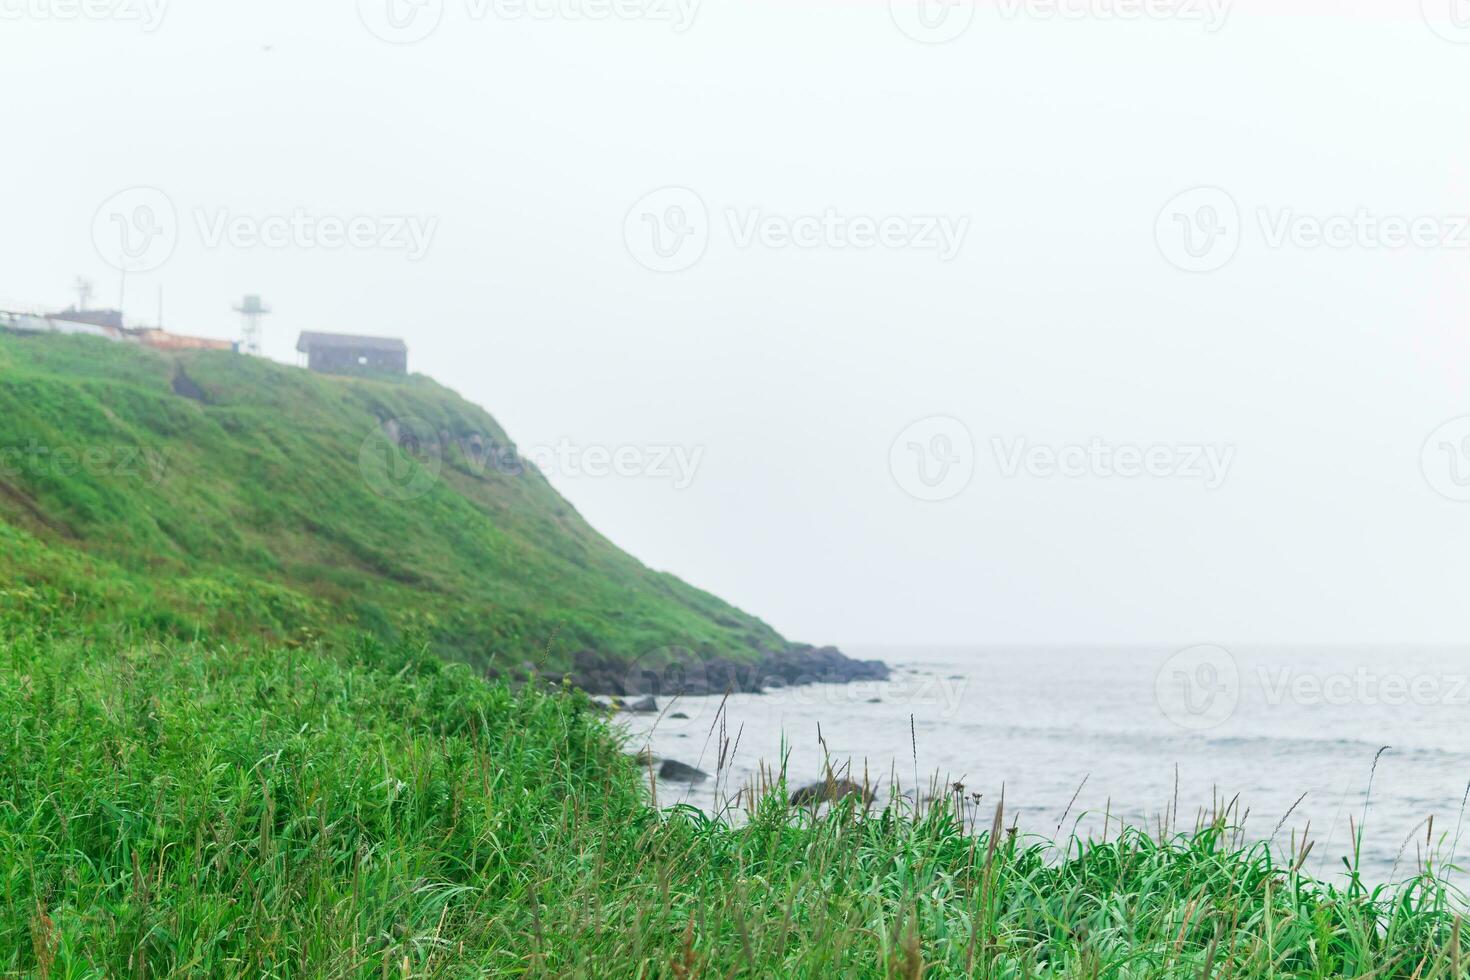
x: 209, y: 493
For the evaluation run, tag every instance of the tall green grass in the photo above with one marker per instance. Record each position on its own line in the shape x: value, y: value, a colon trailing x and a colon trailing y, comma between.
x: 202, y: 810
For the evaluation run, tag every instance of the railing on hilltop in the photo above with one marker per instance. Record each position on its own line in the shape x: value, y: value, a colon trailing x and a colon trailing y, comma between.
x: 19, y: 322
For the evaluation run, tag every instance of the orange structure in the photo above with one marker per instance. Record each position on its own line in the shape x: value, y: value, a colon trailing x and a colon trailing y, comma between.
x: 163, y: 340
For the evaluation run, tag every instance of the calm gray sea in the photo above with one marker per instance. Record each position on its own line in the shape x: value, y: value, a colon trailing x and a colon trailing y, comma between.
x: 1267, y: 724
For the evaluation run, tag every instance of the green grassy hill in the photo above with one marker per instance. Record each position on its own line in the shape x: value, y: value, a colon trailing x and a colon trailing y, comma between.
x: 207, y: 493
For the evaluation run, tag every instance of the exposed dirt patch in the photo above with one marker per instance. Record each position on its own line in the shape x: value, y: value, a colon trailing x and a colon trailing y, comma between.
x: 32, y: 510
x: 185, y: 386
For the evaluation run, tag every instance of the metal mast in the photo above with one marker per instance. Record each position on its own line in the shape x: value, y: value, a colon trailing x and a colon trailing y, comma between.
x: 83, y: 287
x: 251, y: 309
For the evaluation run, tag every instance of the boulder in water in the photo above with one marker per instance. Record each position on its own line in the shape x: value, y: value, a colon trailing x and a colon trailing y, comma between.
x: 678, y: 772
x: 830, y: 791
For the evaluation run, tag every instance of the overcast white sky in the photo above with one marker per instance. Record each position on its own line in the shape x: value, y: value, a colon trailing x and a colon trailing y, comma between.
x: 1056, y: 312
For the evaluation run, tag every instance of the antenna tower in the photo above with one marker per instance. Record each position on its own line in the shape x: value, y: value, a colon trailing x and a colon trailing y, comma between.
x: 251, y: 309
x: 83, y: 287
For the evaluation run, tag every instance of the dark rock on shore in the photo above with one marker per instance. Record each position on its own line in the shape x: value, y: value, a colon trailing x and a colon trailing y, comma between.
x: 678, y: 772
x: 830, y: 792
x: 820, y: 665
x: 694, y: 674
x: 645, y: 705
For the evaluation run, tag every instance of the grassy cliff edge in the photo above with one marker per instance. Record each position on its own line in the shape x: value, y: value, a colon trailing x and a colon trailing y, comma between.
x: 209, y: 493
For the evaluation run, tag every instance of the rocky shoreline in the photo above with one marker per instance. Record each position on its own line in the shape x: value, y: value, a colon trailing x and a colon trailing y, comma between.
x: 693, y: 675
